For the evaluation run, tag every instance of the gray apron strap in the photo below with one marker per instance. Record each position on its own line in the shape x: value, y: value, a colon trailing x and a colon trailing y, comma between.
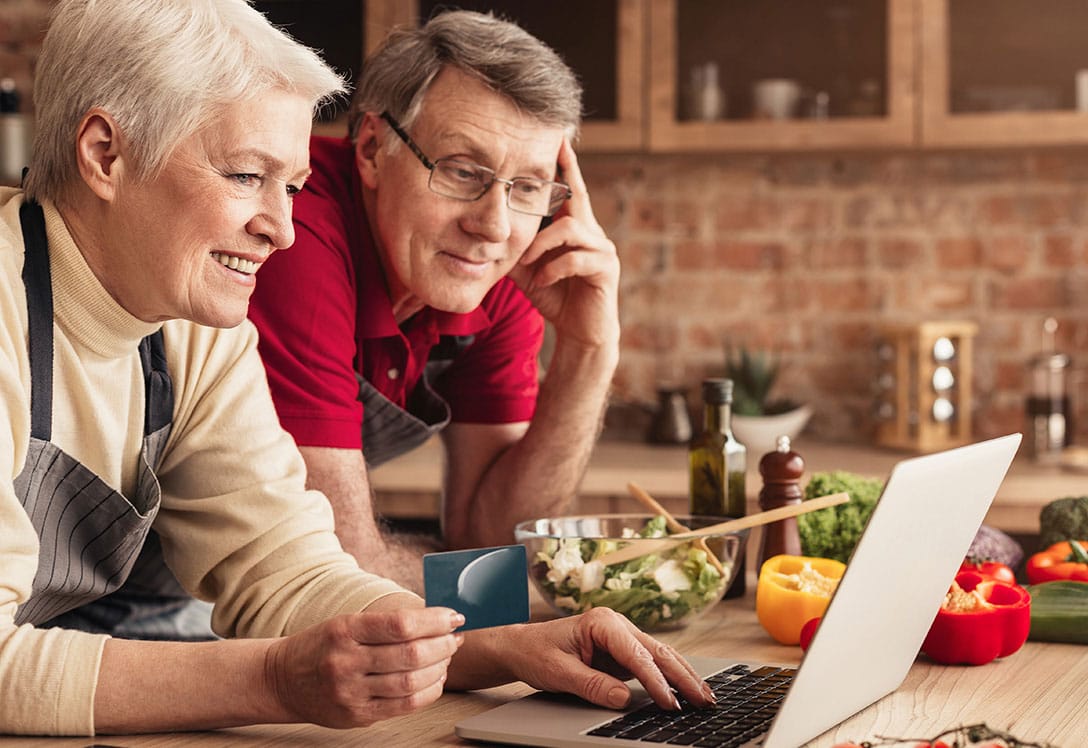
x: 388, y: 429
x: 91, y: 538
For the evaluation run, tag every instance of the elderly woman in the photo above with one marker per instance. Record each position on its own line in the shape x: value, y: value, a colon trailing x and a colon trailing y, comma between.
x: 134, y: 413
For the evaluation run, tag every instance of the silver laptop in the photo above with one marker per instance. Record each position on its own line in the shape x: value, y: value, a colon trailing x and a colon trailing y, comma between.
x: 916, y: 538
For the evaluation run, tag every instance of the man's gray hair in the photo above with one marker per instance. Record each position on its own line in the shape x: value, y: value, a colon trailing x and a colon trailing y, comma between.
x: 502, y: 55
x: 163, y: 69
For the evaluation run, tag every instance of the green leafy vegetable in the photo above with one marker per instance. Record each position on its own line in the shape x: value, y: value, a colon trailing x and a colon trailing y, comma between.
x: 1063, y: 519
x: 833, y: 532
x: 654, y: 591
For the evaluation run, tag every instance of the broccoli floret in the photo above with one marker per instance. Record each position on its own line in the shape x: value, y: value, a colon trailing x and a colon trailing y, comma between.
x: 1063, y: 519
x: 833, y: 532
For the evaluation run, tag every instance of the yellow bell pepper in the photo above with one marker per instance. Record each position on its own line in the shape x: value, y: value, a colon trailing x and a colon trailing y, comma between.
x: 793, y: 589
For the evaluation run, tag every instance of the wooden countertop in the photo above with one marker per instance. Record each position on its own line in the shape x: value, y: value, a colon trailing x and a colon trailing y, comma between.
x: 1037, y: 694
x: 409, y: 486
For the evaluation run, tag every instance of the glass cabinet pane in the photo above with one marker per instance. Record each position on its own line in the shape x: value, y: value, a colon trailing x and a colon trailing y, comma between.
x: 783, y: 59
x: 1015, y: 55
x: 584, y: 34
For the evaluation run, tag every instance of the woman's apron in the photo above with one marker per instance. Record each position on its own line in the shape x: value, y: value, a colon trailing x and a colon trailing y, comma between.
x: 388, y: 429
x: 100, y: 566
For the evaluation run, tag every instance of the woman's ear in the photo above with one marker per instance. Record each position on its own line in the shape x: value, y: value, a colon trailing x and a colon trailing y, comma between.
x: 368, y: 141
x: 98, y: 153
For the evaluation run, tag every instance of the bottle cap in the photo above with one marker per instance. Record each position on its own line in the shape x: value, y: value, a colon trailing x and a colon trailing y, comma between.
x: 718, y: 391
x: 9, y: 96
x: 782, y: 465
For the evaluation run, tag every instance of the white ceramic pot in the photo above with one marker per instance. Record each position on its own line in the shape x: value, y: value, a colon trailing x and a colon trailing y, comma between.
x: 760, y: 433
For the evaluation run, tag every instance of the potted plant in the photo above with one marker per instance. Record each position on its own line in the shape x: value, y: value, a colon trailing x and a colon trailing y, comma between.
x: 758, y: 420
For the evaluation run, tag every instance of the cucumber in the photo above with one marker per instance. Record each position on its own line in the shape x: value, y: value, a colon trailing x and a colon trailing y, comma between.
x: 1059, y: 612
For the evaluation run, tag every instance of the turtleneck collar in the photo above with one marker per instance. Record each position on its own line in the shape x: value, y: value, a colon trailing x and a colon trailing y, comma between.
x: 81, y: 305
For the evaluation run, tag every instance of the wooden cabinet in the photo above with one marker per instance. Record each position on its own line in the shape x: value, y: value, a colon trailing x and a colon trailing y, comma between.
x: 872, y: 74
x: 602, y: 41
x: 851, y: 62
x: 1003, y: 73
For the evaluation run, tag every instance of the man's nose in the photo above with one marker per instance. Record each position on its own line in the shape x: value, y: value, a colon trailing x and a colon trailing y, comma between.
x: 489, y: 216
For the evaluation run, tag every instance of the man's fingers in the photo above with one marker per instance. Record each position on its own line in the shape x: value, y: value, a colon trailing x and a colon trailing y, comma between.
x: 569, y: 235
x: 570, y: 264
x: 571, y: 172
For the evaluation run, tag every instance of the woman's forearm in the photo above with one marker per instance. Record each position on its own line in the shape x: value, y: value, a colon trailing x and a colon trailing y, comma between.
x: 148, y: 686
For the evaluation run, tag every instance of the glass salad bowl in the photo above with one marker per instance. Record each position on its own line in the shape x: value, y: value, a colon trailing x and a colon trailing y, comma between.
x: 658, y: 586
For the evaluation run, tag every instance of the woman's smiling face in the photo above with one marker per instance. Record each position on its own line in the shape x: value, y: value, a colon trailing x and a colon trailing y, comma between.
x: 186, y: 243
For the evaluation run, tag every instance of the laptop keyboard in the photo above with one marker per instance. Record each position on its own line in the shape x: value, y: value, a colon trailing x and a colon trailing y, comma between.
x: 747, y: 702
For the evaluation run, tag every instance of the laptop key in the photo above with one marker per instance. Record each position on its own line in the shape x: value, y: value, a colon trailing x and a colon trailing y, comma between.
x: 638, y: 731
x: 661, y: 736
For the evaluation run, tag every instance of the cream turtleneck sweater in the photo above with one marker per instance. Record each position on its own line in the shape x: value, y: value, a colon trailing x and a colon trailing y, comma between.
x: 237, y: 525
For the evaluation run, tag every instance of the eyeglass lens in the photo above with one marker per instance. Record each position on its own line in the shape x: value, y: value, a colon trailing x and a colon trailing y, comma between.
x: 467, y: 181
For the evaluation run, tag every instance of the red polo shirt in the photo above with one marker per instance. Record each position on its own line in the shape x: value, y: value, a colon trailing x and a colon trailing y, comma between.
x: 324, y: 314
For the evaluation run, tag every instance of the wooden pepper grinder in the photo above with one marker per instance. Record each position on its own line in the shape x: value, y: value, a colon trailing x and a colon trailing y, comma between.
x: 781, y: 471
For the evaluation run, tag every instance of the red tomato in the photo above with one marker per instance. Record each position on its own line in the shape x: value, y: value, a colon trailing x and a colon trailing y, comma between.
x: 808, y: 631
x: 991, y: 569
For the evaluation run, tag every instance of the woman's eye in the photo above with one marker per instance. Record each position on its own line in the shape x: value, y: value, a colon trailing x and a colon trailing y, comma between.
x: 247, y: 180
x: 293, y: 190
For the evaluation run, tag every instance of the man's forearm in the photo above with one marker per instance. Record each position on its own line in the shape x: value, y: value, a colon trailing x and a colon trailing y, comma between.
x: 539, y: 474
x: 341, y: 475
x: 397, y: 556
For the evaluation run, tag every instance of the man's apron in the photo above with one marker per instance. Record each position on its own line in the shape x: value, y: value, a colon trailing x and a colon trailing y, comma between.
x: 388, y: 429
x: 100, y: 565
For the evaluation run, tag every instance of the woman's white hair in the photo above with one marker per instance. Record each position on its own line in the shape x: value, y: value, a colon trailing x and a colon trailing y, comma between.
x: 163, y: 69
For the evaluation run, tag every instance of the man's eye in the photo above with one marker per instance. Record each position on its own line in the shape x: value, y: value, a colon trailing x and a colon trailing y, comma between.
x: 464, y: 172
x: 529, y: 187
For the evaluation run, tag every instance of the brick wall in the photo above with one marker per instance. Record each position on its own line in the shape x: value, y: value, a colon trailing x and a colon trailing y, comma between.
x: 805, y: 254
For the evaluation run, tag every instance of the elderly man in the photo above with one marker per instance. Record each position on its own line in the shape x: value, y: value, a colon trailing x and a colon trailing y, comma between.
x: 431, y: 246
x: 133, y: 401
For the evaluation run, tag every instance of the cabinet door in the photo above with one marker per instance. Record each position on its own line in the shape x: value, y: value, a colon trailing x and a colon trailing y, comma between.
x: 818, y: 74
x: 1003, y: 72
x: 603, y: 41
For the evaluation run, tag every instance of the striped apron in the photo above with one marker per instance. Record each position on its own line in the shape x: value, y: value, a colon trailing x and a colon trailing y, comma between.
x: 389, y: 430
x: 100, y: 565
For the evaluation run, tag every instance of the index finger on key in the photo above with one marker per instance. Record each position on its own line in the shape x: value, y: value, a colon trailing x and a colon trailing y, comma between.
x: 388, y: 627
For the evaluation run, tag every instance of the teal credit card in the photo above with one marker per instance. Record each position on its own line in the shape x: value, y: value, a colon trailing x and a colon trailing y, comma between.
x: 489, y: 586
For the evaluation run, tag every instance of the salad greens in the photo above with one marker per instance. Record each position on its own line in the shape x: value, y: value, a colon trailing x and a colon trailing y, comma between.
x: 654, y: 591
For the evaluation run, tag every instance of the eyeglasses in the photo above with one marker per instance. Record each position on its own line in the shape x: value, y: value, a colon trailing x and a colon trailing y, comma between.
x: 464, y: 180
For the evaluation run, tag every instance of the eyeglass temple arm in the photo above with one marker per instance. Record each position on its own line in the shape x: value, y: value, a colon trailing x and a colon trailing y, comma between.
x: 407, y: 140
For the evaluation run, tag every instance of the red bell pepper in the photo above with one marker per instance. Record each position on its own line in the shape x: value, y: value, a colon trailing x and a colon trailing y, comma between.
x: 988, y: 568
x: 1064, y: 560
x: 980, y: 620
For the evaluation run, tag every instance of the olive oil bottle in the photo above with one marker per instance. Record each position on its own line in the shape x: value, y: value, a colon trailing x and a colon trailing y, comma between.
x: 717, y: 463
